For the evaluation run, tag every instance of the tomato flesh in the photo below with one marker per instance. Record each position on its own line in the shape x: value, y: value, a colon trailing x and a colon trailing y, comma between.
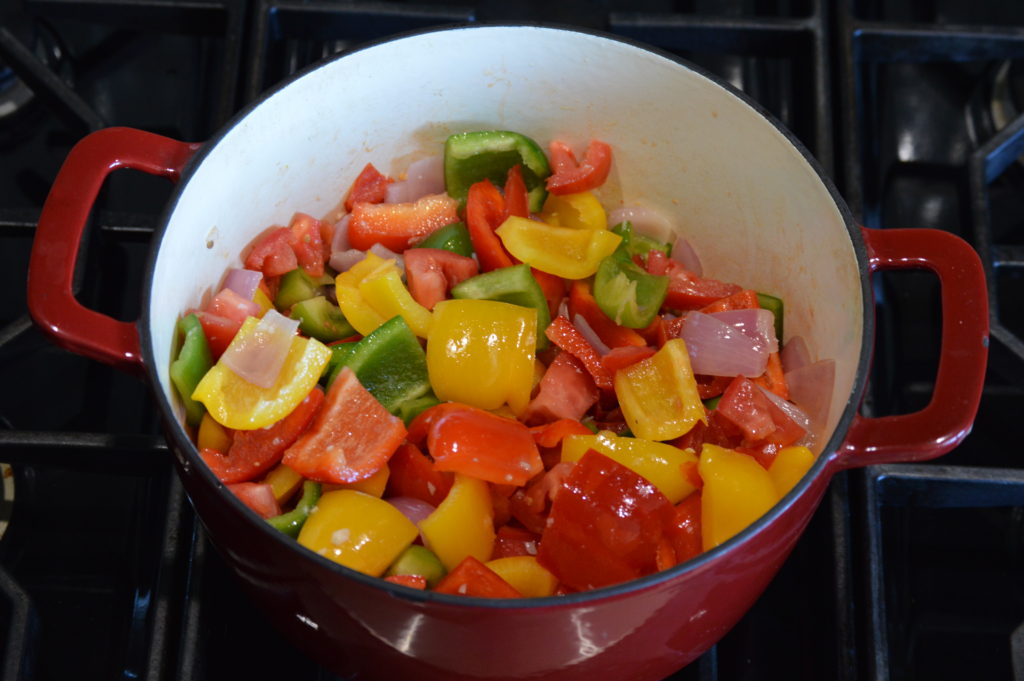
x: 307, y: 244
x: 432, y: 272
x: 257, y: 496
x: 370, y: 186
x: 273, y: 254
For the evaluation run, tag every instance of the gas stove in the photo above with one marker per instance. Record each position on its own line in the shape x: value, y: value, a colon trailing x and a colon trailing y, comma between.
x: 915, y: 109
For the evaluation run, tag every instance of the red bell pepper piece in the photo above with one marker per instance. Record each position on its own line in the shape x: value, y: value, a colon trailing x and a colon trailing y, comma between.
x: 774, y: 378
x: 744, y: 299
x: 369, y: 187
x: 414, y: 581
x: 254, y: 452
x: 517, y: 201
x: 620, y: 358
x: 412, y: 474
x: 687, y: 291
x: 515, y: 541
x: 473, y: 578
x: 570, y: 177
x: 485, y: 211
x: 399, y: 225
x: 562, y: 333
x: 552, y: 434
x: 582, y: 302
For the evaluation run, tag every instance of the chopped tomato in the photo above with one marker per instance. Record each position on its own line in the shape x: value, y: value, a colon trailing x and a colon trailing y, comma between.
x: 432, y: 272
x: 517, y: 202
x: 582, y: 302
x: 219, y: 332
x: 620, y: 358
x: 759, y: 419
x: 272, y: 254
x: 684, y: 530
x: 515, y: 541
x: 370, y: 187
x: 764, y: 455
x: 399, y: 225
x: 744, y: 299
x: 562, y: 333
x: 259, y: 496
x: 552, y: 434
x: 414, y: 581
x: 307, y: 243
x: 326, y: 239
x: 351, y: 438
x: 413, y: 475
x: 485, y: 211
x: 230, y: 305
x: 477, y: 443
x: 687, y: 291
x: 605, y: 525
x: 566, y: 391
x: 530, y: 505
x: 472, y: 578
x: 254, y: 452
x: 570, y: 177
x: 711, y: 386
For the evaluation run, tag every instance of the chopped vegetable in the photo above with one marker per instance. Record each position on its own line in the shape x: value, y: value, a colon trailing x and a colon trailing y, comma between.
x: 418, y: 560
x: 514, y: 285
x: 737, y: 491
x: 473, y: 578
x: 370, y: 186
x: 570, y: 176
x: 453, y: 237
x: 399, y: 225
x: 658, y: 396
x: 462, y: 525
x: 626, y: 293
x: 291, y: 522
x: 321, y: 319
x: 470, y: 157
x: 563, y: 251
x: 188, y: 369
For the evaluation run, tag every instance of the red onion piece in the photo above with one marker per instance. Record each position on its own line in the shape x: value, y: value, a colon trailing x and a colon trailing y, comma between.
x: 340, y: 241
x: 683, y: 253
x: 243, y: 282
x: 258, y: 358
x: 718, y: 349
x: 587, y: 331
x: 412, y: 508
x: 646, y: 221
x: 792, y: 411
x: 386, y: 253
x: 810, y: 387
x: 795, y: 354
x: 425, y: 176
x: 342, y: 261
x: 759, y: 325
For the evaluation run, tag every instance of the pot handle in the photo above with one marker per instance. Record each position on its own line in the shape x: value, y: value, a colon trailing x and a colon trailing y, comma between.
x: 947, y: 419
x: 51, y: 300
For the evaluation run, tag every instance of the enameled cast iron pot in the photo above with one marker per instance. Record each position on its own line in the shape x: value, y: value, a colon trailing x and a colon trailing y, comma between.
x: 739, y: 186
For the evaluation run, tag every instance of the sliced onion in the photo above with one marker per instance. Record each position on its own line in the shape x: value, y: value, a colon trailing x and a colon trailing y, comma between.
x: 810, y: 387
x: 795, y: 354
x: 718, y: 349
x: 792, y: 411
x: 759, y: 325
x: 386, y: 253
x: 646, y: 221
x: 343, y: 261
x: 683, y: 253
x: 340, y: 241
x: 425, y: 176
x: 563, y: 309
x: 258, y: 358
x: 243, y: 282
x: 416, y: 510
x: 587, y: 331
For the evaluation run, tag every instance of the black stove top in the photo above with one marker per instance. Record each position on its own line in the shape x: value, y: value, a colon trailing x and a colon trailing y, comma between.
x: 914, y: 107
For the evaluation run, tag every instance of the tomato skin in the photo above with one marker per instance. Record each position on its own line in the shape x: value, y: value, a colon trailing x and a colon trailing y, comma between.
x: 605, y: 525
x: 307, y: 243
x: 758, y: 418
x: 687, y: 291
x: 565, y: 391
x: 744, y: 299
x: 517, y: 201
x: 351, y: 438
x: 432, y: 272
x: 485, y: 211
x: 254, y: 452
x: 272, y: 253
x: 399, y: 225
x: 370, y: 186
x: 570, y: 177
x: 257, y: 496
x: 413, y: 475
x: 472, y: 578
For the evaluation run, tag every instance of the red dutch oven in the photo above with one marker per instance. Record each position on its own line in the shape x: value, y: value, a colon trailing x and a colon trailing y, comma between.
x: 738, y: 185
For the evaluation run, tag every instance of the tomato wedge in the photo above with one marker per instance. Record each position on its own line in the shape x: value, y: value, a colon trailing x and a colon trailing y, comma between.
x: 254, y: 452
x: 605, y: 525
x: 370, y: 187
x: 307, y: 243
x: 259, y: 496
x: 272, y: 254
x: 565, y: 391
x: 570, y: 177
x: 399, y: 225
x: 760, y: 420
x: 472, y: 578
x: 477, y: 443
x: 432, y: 272
x: 351, y: 438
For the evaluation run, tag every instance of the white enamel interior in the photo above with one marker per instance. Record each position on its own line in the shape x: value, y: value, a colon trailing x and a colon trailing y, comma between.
x: 753, y: 208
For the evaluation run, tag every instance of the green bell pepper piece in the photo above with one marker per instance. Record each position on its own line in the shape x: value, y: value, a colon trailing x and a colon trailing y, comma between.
x: 194, y: 360
x: 291, y: 522
x: 638, y: 244
x: 453, y: 237
x: 488, y: 155
x: 410, y: 409
x: 775, y: 305
x: 626, y: 292
x: 390, y: 363
x: 712, y: 402
x: 321, y: 319
x: 514, y: 285
x: 418, y: 560
x: 297, y: 286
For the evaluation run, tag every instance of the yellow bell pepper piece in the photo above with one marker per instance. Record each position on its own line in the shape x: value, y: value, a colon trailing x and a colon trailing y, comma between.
x: 389, y: 297
x: 737, y: 491
x: 481, y: 353
x: 463, y: 524
x: 284, y: 482
x: 373, y: 485
x: 235, y: 403
x: 658, y: 396
x: 261, y: 299
x: 579, y: 211
x: 790, y: 464
x: 528, y: 576
x: 358, y: 531
x: 212, y: 435
x: 658, y: 463
x: 357, y: 310
x: 563, y: 251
